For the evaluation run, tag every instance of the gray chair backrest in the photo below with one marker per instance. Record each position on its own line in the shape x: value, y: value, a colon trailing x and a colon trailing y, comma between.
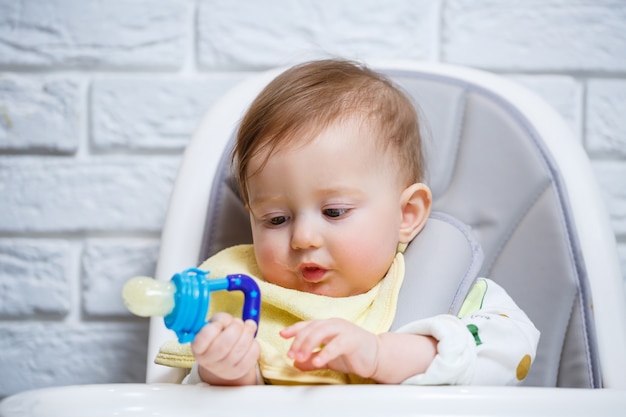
x: 488, y: 168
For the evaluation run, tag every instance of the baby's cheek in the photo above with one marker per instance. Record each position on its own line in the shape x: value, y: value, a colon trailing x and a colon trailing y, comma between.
x: 265, y: 256
x: 368, y: 260
x: 273, y: 263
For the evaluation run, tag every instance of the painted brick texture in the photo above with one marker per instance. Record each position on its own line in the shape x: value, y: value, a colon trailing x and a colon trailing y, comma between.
x: 92, y: 34
x: 39, y: 114
x: 276, y: 32
x: 99, y: 98
x: 555, y: 35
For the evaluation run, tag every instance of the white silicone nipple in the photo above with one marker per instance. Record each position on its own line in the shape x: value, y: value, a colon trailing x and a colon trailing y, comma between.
x: 144, y: 296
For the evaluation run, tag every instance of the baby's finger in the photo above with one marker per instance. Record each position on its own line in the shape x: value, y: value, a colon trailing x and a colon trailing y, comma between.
x: 246, y: 351
x: 306, y: 365
x: 245, y: 339
x: 229, y: 336
x: 291, y: 331
x: 331, y: 351
x: 251, y: 326
x: 205, y: 338
x: 310, y: 339
x: 223, y: 318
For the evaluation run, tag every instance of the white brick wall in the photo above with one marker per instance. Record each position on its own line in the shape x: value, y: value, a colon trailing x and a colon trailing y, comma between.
x: 98, y: 98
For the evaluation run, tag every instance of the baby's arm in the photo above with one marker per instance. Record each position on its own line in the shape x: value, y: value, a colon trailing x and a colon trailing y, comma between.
x: 226, y: 351
x: 492, y: 342
x: 386, y: 358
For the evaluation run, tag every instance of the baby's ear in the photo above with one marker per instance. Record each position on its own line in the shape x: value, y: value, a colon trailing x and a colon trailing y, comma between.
x: 416, y: 201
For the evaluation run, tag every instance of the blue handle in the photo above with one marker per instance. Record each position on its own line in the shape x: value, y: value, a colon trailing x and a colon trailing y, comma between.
x: 252, y: 295
x: 191, y: 300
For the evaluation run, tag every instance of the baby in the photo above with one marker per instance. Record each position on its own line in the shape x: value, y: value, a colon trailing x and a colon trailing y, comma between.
x: 330, y: 167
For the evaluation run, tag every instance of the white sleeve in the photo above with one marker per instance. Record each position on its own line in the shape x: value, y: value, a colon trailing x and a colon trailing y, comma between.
x: 193, y: 377
x: 492, y: 342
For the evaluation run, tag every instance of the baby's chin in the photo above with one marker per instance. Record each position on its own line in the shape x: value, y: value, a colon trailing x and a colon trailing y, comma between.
x: 318, y: 288
x: 327, y: 290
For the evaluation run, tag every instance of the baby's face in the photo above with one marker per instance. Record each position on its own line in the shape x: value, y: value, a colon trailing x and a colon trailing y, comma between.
x: 326, y: 215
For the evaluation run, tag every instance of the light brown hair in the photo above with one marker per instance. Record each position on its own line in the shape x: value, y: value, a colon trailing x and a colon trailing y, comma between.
x: 304, y: 100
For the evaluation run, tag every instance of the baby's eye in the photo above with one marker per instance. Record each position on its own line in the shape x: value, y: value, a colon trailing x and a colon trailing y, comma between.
x: 335, y: 212
x: 278, y: 220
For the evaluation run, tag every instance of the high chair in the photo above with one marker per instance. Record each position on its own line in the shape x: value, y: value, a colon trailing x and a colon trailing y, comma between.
x: 515, y: 200
x: 500, y: 161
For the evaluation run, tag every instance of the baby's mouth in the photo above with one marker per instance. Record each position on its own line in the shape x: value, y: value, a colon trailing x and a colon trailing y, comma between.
x: 312, y: 273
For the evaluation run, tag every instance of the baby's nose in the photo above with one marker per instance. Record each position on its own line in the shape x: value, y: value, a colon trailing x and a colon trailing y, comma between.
x: 305, y: 234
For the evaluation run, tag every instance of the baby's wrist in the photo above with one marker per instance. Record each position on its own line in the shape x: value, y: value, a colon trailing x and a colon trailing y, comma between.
x: 252, y: 377
x: 375, y: 371
x: 402, y: 355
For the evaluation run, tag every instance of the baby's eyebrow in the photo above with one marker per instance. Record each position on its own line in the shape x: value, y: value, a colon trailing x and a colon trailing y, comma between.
x: 260, y: 200
x: 340, y: 191
x: 322, y: 193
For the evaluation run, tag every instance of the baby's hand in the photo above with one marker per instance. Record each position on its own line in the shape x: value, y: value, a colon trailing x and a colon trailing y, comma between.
x: 335, y: 344
x: 226, y: 351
